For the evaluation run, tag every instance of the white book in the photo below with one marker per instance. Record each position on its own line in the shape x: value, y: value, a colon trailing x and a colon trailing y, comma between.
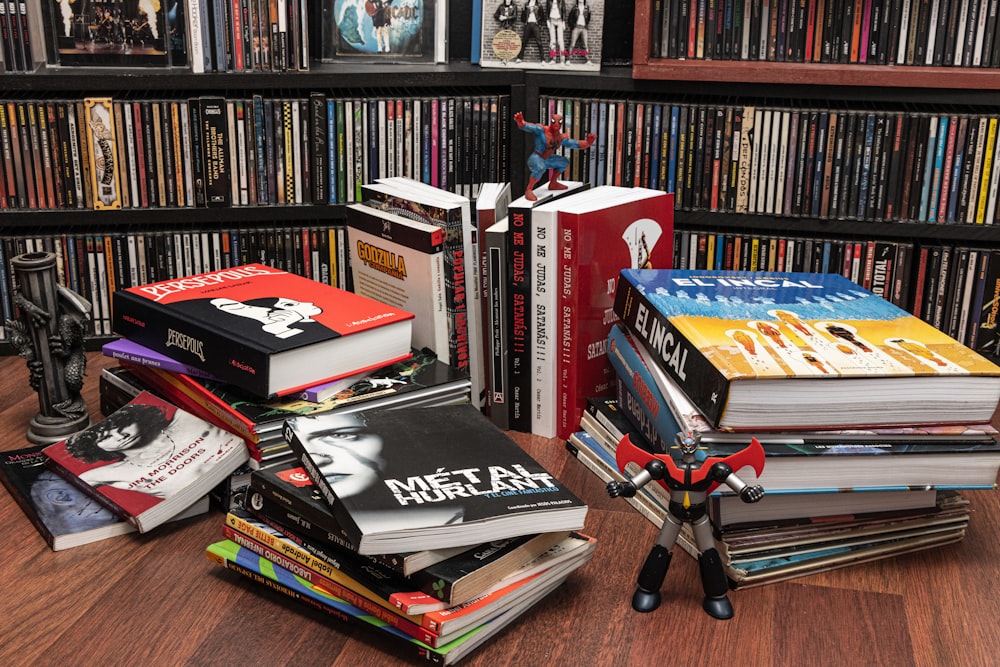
x: 400, y: 262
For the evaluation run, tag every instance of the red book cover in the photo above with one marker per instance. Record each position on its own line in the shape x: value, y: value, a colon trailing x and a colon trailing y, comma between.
x: 147, y: 461
x: 264, y: 330
x: 633, y: 227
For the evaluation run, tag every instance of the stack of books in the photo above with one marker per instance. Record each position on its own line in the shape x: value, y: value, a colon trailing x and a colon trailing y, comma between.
x: 429, y: 525
x: 248, y: 346
x: 872, y: 420
x: 143, y: 465
x: 550, y: 263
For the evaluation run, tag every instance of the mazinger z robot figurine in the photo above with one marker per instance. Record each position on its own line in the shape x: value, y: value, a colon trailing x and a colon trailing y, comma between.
x: 689, y: 484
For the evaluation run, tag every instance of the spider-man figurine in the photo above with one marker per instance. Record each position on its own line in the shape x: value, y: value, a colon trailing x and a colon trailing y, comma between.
x: 689, y: 484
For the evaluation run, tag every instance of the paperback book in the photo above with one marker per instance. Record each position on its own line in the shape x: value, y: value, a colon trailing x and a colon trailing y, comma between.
x: 148, y: 461
x: 263, y: 329
x: 428, y: 478
x: 63, y: 514
x: 801, y: 351
x: 400, y: 262
x: 247, y: 563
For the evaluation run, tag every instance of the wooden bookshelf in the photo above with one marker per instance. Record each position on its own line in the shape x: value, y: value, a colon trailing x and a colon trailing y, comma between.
x: 785, y: 73
x: 156, y: 600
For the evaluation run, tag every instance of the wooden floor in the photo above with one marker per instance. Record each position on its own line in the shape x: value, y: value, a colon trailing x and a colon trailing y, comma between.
x: 156, y: 600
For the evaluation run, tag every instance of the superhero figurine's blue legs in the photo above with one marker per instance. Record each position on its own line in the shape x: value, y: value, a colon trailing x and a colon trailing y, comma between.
x: 654, y: 570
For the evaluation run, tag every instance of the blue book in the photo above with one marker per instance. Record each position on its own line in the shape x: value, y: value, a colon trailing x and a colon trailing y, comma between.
x: 672, y: 159
x: 801, y: 351
x: 939, y: 156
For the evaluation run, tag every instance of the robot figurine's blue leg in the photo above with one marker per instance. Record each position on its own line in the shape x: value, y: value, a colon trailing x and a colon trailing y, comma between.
x: 654, y: 570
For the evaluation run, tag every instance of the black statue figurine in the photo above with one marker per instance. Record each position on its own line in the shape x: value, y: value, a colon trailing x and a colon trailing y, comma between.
x: 48, y: 334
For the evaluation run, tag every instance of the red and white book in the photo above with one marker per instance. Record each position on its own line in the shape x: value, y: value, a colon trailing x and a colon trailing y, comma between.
x: 264, y: 330
x: 627, y: 227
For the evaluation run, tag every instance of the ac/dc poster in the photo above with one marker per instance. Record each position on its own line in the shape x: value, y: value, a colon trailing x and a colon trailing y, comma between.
x: 381, y: 30
x: 111, y: 33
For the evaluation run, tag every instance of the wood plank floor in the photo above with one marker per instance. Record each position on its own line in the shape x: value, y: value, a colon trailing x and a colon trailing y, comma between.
x: 156, y: 600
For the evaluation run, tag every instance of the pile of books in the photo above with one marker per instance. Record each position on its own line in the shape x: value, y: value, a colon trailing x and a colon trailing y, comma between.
x: 145, y: 464
x: 872, y: 420
x: 428, y: 525
x: 550, y: 262
x: 248, y: 346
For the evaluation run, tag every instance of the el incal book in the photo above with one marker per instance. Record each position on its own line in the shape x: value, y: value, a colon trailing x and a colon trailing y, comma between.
x: 267, y: 331
x: 765, y: 350
x: 428, y: 478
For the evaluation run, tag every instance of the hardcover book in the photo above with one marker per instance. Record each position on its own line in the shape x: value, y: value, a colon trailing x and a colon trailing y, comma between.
x: 148, y: 460
x: 400, y: 262
x: 411, y: 479
x: 629, y: 227
x: 799, y: 463
x: 285, y: 495
x: 263, y: 329
x: 418, y: 380
x: 64, y: 515
x: 801, y: 351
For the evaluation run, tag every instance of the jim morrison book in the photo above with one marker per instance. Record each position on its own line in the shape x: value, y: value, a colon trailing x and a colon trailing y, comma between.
x: 148, y: 460
x: 419, y: 478
x: 264, y: 330
x: 770, y: 350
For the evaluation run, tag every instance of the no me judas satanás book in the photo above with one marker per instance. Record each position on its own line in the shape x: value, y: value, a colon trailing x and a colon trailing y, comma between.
x: 428, y: 478
x: 267, y: 331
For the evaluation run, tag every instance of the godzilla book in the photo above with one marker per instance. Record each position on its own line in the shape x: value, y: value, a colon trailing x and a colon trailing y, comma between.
x: 147, y: 461
x: 770, y: 350
x: 418, y: 478
x: 263, y: 329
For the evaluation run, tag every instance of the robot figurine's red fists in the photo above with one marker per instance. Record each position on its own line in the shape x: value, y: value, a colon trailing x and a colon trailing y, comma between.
x: 623, y: 489
x: 752, y: 494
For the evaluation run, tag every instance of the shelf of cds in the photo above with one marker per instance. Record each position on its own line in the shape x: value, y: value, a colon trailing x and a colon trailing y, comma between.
x: 872, y: 43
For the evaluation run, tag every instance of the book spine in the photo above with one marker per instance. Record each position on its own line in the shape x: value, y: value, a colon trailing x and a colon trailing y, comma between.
x: 322, y: 573
x: 704, y: 384
x: 518, y: 309
x: 638, y: 396
x: 347, y: 523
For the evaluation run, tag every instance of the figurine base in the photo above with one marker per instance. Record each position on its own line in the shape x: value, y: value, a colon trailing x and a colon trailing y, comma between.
x: 44, y: 430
